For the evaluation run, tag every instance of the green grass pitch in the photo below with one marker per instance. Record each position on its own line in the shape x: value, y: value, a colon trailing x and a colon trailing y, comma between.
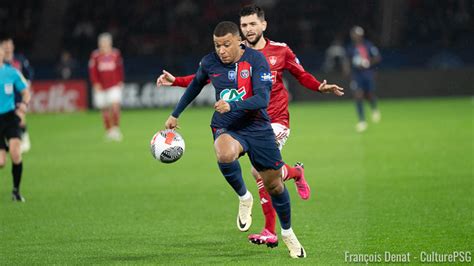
x: 405, y: 185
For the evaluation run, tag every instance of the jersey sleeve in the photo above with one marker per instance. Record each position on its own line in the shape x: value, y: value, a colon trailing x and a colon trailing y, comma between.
x: 20, y: 82
x: 261, y: 86
x: 193, y: 90
x: 183, y: 81
x: 373, y: 50
x: 93, y: 73
x: 296, y: 69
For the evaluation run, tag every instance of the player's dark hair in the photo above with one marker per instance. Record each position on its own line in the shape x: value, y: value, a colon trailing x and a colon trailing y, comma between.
x: 226, y: 27
x: 4, y: 38
x: 252, y: 9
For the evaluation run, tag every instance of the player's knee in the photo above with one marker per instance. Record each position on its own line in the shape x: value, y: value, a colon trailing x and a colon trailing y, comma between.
x: 226, y: 156
x: 16, y: 157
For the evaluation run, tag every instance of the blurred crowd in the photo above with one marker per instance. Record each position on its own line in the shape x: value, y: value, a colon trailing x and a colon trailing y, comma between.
x: 170, y: 29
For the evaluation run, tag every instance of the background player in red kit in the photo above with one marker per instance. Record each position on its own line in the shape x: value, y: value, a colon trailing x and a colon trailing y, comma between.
x: 106, y: 74
x: 280, y: 57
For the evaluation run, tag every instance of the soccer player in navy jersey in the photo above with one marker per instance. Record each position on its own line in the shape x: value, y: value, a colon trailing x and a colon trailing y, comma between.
x: 242, y: 79
x: 280, y: 58
x: 12, y: 80
x: 363, y: 56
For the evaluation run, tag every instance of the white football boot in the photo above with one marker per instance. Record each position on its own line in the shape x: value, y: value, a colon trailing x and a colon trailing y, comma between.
x: 244, y: 217
x: 361, y: 126
x: 376, y: 116
x: 294, y: 247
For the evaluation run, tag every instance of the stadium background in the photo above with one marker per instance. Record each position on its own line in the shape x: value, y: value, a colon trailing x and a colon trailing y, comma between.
x: 406, y: 185
x: 428, y: 42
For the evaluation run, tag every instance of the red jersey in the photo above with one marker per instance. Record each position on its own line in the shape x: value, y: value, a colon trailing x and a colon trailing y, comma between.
x: 106, y: 69
x: 280, y: 58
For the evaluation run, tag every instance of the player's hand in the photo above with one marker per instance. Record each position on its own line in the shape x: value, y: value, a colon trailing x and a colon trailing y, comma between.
x: 171, y: 123
x: 331, y: 88
x: 97, y: 87
x: 21, y: 107
x: 165, y: 79
x: 222, y: 106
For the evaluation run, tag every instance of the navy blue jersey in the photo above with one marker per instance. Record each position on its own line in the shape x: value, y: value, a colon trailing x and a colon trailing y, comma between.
x: 359, y: 55
x: 245, y: 85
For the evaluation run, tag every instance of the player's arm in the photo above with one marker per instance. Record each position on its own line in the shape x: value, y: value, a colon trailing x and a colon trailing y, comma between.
x: 168, y: 79
x: 21, y: 85
x: 120, y: 69
x: 94, y: 74
x: 375, y: 56
x: 192, y: 91
x: 306, y: 79
x: 261, y: 85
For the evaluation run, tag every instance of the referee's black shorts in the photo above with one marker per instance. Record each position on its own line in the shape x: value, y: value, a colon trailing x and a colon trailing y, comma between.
x: 9, y: 128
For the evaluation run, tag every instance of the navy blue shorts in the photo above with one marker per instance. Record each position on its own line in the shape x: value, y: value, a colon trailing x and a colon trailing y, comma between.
x: 263, y: 151
x: 363, y: 82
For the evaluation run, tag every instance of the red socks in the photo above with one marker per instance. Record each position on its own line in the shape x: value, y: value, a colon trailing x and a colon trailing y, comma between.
x: 268, y: 211
x: 289, y: 172
x: 111, y: 118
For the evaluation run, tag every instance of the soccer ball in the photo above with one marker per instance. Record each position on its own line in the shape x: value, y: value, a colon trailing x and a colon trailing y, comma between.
x: 167, y: 146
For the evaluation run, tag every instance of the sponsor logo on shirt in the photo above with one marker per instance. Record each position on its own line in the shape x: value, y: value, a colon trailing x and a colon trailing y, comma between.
x: 231, y: 75
x: 106, y: 66
x: 244, y: 74
x: 232, y: 95
x: 266, y: 76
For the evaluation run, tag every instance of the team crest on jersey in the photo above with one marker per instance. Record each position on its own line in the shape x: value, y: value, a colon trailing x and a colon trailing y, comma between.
x: 232, y: 95
x: 231, y: 75
x: 244, y: 74
x: 273, y: 60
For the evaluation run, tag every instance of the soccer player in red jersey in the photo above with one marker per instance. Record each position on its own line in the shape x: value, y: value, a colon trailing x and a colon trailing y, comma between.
x: 106, y: 74
x: 280, y: 58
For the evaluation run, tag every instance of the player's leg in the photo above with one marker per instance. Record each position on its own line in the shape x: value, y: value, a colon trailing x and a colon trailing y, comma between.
x: 100, y: 103
x: 25, y: 136
x: 359, y: 103
x: 370, y: 95
x: 17, y: 167
x: 228, y: 150
x: 281, y: 202
x: 266, y: 158
x: 3, y: 157
x: 282, y: 133
x: 115, y: 98
x: 267, y: 235
x: 3, y: 151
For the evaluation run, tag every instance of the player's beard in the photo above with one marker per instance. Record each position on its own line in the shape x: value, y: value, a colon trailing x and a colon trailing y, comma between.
x: 257, y: 39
